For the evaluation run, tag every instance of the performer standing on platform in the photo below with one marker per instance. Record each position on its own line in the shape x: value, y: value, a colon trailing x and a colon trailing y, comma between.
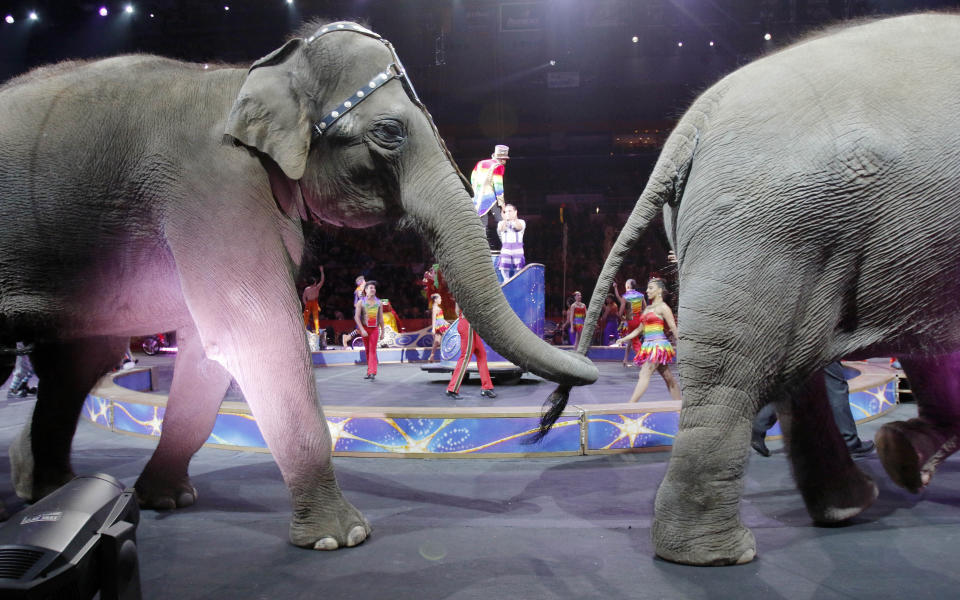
x: 576, y: 315
x: 656, y: 352
x: 487, y: 182
x: 470, y: 345
x: 609, y: 320
x: 357, y: 295
x: 311, y: 304
x: 510, y: 230
x: 632, y: 305
x: 438, y: 324
x: 369, y: 318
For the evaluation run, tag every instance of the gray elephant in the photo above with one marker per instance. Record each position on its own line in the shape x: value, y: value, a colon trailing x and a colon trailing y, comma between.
x: 142, y: 194
x: 813, y: 200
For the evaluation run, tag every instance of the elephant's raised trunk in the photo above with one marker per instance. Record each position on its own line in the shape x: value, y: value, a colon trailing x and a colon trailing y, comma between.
x: 444, y: 212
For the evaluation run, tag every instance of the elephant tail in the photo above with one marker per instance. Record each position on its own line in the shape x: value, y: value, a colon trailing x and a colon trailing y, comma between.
x: 665, y: 186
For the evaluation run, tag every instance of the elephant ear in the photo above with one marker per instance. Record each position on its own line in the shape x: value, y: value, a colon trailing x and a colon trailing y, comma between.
x: 270, y: 112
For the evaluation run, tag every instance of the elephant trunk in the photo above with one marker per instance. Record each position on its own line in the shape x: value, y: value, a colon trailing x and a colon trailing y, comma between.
x: 443, y: 210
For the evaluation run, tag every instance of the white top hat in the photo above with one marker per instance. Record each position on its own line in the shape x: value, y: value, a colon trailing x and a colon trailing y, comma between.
x: 500, y: 151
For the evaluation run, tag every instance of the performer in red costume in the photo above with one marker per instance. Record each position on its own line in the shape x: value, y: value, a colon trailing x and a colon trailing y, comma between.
x: 470, y: 345
x: 632, y: 305
x: 369, y: 318
x: 311, y: 304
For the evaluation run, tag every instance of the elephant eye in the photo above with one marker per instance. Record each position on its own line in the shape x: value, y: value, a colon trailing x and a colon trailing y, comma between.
x: 388, y: 133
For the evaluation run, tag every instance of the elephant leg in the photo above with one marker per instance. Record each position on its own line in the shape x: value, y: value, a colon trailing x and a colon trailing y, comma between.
x: 249, y: 320
x: 697, y: 509
x: 198, y: 387
x: 832, y: 486
x: 911, y: 450
x: 40, y: 456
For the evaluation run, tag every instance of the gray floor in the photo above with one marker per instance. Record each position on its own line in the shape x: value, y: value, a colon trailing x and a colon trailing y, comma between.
x: 545, y: 528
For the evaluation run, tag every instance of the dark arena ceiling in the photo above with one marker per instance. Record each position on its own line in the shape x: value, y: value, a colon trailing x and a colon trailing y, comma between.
x: 582, y: 78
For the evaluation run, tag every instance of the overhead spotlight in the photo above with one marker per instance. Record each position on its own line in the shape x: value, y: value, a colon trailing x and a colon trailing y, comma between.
x: 634, y: 39
x: 225, y: 7
x: 128, y: 9
x: 553, y: 63
x: 103, y: 11
x: 151, y: 15
x: 767, y: 37
x: 33, y: 16
x: 679, y: 44
x: 711, y: 43
x: 9, y: 19
x: 289, y: 1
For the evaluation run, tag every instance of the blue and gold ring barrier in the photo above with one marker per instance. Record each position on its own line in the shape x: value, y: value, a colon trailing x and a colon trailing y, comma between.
x: 453, y: 432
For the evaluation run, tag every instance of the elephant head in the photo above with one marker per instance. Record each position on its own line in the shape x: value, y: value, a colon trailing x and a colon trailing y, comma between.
x: 346, y: 140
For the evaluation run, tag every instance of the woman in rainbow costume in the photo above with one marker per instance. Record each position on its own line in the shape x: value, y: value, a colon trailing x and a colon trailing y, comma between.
x: 576, y: 314
x: 656, y: 352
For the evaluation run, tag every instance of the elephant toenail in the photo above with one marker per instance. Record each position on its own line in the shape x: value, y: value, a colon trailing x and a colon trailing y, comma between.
x: 326, y: 544
x: 356, y: 535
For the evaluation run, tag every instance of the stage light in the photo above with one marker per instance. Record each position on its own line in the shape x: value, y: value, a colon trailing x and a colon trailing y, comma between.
x: 128, y: 9
x: 711, y: 43
x: 33, y: 16
x: 553, y: 63
x: 289, y: 1
x: 9, y: 19
x: 151, y: 15
x: 635, y: 39
x: 103, y: 11
x: 78, y: 540
x: 679, y: 44
x: 225, y: 7
x: 767, y: 37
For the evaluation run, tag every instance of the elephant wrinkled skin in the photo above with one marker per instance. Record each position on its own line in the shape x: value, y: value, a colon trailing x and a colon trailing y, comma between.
x: 142, y: 194
x: 813, y: 200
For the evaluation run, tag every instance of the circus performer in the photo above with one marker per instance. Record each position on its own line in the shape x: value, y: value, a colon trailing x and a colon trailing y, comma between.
x: 576, y: 314
x: 434, y: 283
x: 357, y: 296
x: 369, y: 318
x: 470, y: 345
x: 632, y: 305
x: 656, y: 352
x: 311, y: 304
x: 438, y: 324
x: 609, y: 320
x: 510, y: 230
x: 487, y: 182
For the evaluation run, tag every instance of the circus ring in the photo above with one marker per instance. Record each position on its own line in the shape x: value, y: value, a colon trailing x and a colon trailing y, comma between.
x: 418, y: 424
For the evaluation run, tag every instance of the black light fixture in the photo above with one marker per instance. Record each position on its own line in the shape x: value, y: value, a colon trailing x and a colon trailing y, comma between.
x: 75, y: 542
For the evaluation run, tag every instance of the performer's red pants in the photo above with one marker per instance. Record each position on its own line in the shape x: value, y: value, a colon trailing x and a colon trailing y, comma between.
x: 370, y: 345
x: 311, y: 312
x: 470, y: 344
x: 636, y: 342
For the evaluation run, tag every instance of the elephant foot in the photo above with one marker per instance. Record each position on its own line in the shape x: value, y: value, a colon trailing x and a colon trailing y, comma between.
x: 703, y: 546
x: 846, y: 498
x: 910, y: 451
x: 29, y: 483
x: 157, y: 493
x: 337, y: 526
